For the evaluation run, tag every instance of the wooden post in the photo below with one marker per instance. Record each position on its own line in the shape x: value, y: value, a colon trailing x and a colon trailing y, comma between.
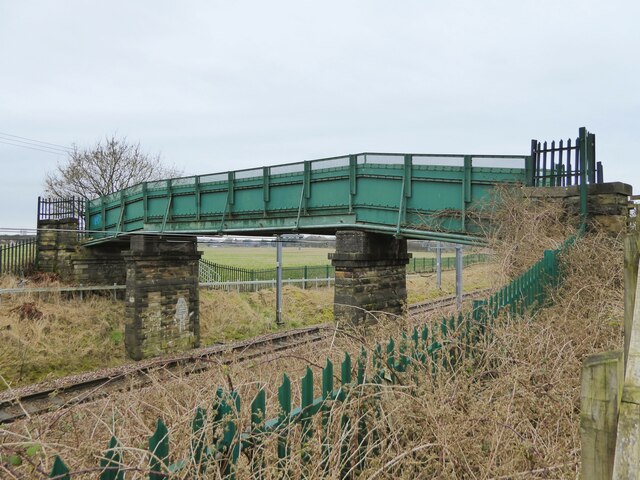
x: 627, y: 461
x: 631, y: 257
x: 601, y: 389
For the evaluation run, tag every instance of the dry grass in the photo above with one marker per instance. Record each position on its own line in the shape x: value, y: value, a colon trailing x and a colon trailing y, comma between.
x: 49, y: 336
x: 423, y: 287
x: 233, y: 316
x: 523, y: 227
x: 511, y: 412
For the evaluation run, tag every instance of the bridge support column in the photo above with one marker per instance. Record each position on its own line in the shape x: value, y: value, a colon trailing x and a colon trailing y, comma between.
x: 57, y: 241
x: 371, y: 276
x: 162, y: 303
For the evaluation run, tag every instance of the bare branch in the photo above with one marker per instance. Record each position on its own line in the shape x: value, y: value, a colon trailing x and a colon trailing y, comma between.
x: 105, y: 168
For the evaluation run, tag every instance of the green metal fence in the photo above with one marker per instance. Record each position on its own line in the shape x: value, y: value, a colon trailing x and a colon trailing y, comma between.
x: 310, y: 275
x: 429, y: 349
x: 561, y: 171
x: 428, y: 265
x: 18, y: 258
x: 562, y: 164
x: 216, y: 272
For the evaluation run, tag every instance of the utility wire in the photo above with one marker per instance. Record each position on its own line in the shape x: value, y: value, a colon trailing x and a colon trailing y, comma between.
x: 54, y: 152
x: 33, y: 144
x: 37, y: 141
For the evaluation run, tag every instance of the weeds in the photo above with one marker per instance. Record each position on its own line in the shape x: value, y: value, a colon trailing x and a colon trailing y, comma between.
x: 509, y: 412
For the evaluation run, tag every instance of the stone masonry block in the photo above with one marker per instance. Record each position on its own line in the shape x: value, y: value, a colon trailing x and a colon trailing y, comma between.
x: 603, y: 200
x: 370, y: 276
x: 162, y: 295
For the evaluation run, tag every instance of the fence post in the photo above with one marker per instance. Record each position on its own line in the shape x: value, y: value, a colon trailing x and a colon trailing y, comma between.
x: 631, y: 257
x: 438, y: 265
x: 600, y: 392
x: 627, y: 452
x: 583, y: 147
x: 529, y: 165
x: 459, y: 276
x: 304, y: 278
x: 279, y: 281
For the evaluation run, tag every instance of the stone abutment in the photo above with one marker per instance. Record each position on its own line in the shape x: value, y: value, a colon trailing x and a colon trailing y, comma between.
x: 371, y: 276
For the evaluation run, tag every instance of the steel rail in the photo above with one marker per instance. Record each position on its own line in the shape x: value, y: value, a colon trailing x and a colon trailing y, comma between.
x: 16, y: 404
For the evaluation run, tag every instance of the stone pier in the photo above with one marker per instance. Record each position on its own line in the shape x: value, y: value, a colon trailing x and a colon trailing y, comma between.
x: 162, y: 302
x: 607, y: 203
x: 371, y: 276
x: 57, y: 241
x: 99, y: 265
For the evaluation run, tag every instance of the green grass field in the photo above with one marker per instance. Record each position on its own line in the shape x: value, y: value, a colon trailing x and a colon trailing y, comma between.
x: 265, y: 257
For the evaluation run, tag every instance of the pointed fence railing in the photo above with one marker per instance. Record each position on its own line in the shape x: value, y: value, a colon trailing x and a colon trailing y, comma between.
x: 561, y: 172
x: 429, y: 349
x: 18, y: 258
x: 62, y: 208
x: 565, y: 163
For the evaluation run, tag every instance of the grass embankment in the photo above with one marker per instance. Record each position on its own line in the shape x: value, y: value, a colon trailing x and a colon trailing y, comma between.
x: 59, y: 336
x: 510, y: 412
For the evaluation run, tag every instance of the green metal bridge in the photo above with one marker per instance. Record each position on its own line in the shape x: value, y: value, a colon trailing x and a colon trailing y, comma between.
x: 419, y: 196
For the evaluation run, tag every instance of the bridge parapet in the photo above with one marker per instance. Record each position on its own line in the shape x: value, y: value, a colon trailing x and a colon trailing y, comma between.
x: 415, y: 195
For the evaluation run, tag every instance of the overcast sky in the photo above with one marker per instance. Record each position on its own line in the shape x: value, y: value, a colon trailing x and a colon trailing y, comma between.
x: 213, y: 86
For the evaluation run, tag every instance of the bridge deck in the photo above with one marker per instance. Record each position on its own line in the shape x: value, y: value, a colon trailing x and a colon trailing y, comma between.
x: 434, y: 197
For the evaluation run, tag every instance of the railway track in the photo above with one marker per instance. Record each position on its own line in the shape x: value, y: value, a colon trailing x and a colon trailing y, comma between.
x: 72, y: 390
x: 428, y: 306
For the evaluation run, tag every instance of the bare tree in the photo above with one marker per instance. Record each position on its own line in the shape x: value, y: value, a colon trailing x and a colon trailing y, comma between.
x: 104, y: 169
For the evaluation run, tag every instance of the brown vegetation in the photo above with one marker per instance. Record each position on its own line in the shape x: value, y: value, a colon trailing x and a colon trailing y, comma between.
x: 511, y: 412
x: 65, y: 335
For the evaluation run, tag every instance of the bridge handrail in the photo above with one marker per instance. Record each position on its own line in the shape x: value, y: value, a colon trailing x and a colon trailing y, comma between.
x: 112, y: 215
x: 414, y: 195
x: 266, y: 170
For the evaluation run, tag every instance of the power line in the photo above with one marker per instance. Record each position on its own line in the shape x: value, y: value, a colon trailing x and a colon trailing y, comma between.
x: 54, y: 152
x: 36, y: 141
x: 33, y: 144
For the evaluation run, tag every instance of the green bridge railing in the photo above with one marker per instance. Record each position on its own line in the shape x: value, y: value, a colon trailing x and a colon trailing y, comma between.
x: 422, y: 196
x: 431, y: 348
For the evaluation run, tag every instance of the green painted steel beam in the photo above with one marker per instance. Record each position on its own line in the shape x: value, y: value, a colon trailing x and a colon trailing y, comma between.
x: 410, y: 195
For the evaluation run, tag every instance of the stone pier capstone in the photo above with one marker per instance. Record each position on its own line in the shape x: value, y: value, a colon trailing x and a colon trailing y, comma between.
x: 371, y: 276
x: 162, y: 303
x: 607, y: 203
